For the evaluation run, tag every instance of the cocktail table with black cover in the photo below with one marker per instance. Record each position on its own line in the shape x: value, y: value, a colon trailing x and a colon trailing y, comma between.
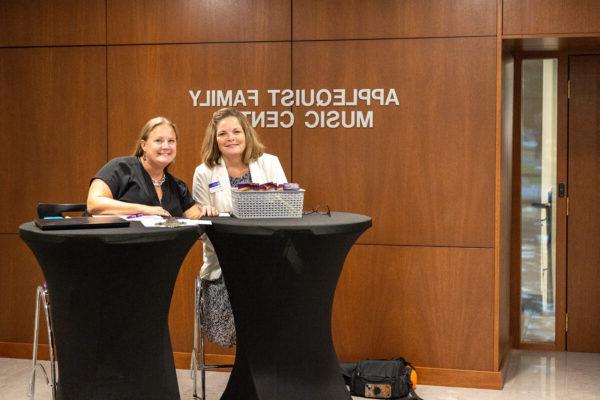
x: 110, y: 292
x: 281, y: 276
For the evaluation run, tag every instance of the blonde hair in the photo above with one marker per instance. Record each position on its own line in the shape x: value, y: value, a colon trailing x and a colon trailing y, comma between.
x: 210, y: 153
x: 147, y: 129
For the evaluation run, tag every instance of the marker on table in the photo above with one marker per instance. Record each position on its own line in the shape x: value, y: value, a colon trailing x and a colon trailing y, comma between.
x: 135, y: 216
x: 56, y: 217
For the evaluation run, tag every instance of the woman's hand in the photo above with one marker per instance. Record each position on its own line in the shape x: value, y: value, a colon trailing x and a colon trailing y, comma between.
x: 208, y: 211
x: 155, y: 210
x: 197, y: 211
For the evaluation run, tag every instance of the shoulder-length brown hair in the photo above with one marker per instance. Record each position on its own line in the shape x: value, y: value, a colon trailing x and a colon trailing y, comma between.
x: 210, y: 153
x: 148, y: 128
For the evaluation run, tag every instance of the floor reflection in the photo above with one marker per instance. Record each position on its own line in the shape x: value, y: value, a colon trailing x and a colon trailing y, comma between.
x: 529, y: 376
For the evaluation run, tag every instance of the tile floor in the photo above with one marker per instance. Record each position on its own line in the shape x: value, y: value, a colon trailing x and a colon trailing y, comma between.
x: 530, y: 376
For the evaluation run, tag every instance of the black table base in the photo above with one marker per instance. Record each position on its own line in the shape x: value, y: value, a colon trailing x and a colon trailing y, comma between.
x: 110, y: 301
x: 281, y: 287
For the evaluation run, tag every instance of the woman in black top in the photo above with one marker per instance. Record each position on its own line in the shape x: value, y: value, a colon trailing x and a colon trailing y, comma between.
x: 141, y: 184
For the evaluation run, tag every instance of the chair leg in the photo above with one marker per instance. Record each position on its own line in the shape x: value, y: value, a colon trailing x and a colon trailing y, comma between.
x: 202, y: 353
x: 42, y: 296
x: 36, y: 331
x: 48, y: 313
x: 194, y: 359
x: 198, y: 354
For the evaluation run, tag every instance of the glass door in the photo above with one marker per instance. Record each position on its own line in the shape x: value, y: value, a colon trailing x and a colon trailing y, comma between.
x: 538, y: 199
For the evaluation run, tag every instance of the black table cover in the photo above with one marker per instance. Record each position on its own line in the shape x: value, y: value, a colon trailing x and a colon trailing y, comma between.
x: 281, y: 276
x: 110, y: 292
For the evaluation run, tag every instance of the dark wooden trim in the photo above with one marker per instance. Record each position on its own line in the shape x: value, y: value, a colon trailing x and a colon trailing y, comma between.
x: 538, y: 346
x: 22, y: 350
x: 426, y: 376
x: 515, y: 289
x: 498, y: 193
x: 561, y: 205
x: 460, y: 378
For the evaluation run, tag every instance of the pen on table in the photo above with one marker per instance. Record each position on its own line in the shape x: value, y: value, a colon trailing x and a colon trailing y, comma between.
x: 134, y: 216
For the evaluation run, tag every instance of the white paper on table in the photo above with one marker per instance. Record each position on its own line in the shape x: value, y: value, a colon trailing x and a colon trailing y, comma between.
x: 151, y: 222
x: 194, y: 221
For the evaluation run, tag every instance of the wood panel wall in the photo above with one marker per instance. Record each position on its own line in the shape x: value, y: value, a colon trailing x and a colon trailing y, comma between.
x: 52, y: 23
x: 54, y: 123
x: 437, y: 310
x: 167, y: 21
x: 551, y: 17
x: 415, y: 172
x: 79, y: 79
x: 378, y: 19
x: 145, y: 81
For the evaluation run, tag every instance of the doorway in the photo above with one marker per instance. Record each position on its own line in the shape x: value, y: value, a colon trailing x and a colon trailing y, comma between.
x: 558, y: 108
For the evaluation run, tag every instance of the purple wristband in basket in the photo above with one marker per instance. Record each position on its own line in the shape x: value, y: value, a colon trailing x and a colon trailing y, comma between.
x: 266, y: 186
x: 242, y: 187
x: 291, y: 186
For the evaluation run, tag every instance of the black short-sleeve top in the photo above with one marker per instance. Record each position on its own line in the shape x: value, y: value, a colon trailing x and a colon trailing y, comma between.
x: 130, y: 182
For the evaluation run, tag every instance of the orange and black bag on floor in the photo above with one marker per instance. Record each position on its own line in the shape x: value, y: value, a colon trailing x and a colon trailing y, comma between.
x: 384, y: 379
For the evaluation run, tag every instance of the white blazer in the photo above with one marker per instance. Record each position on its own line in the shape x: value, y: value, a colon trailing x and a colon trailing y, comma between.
x: 266, y: 169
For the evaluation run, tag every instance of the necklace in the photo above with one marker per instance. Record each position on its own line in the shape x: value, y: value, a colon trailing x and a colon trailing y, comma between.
x: 159, y: 182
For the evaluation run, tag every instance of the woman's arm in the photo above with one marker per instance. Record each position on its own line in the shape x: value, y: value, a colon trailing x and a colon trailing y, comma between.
x: 100, y: 201
x: 200, y: 193
x: 194, y: 210
x: 276, y: 171
x: 197, y: 211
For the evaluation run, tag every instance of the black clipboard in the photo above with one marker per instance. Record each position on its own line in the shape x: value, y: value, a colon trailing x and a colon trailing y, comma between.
x: 81, y: 223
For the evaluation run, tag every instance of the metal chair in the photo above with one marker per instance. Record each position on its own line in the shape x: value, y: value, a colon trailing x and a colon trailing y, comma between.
x: 199, y: 338
x: 56, y: 209
x: 43, y: 297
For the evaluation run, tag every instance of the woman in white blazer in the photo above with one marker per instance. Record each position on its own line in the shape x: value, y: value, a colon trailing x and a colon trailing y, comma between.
x: 231, y: 153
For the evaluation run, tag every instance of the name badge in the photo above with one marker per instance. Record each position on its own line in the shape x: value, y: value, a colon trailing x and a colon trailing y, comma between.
x: 215, y: 187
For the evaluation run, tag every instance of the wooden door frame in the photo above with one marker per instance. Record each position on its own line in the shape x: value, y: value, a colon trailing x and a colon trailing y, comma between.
x: 574, y: 308
x: 561, y: 219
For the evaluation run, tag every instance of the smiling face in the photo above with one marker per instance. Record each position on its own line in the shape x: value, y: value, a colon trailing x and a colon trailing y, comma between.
x: 160, y: 146
x: 231, y: 138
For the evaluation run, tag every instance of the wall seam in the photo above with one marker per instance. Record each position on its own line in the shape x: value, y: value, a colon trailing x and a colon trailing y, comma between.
x: 291, y: 42
x: 496, y: 289
x: 106, y: 70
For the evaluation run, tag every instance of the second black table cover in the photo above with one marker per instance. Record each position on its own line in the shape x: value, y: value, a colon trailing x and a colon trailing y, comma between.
x: 281, y: 276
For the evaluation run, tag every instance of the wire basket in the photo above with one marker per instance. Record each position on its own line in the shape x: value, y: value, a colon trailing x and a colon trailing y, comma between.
x: 268, y: 204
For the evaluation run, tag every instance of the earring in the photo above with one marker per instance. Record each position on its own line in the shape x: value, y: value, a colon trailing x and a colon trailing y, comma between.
x: 144, y: 157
